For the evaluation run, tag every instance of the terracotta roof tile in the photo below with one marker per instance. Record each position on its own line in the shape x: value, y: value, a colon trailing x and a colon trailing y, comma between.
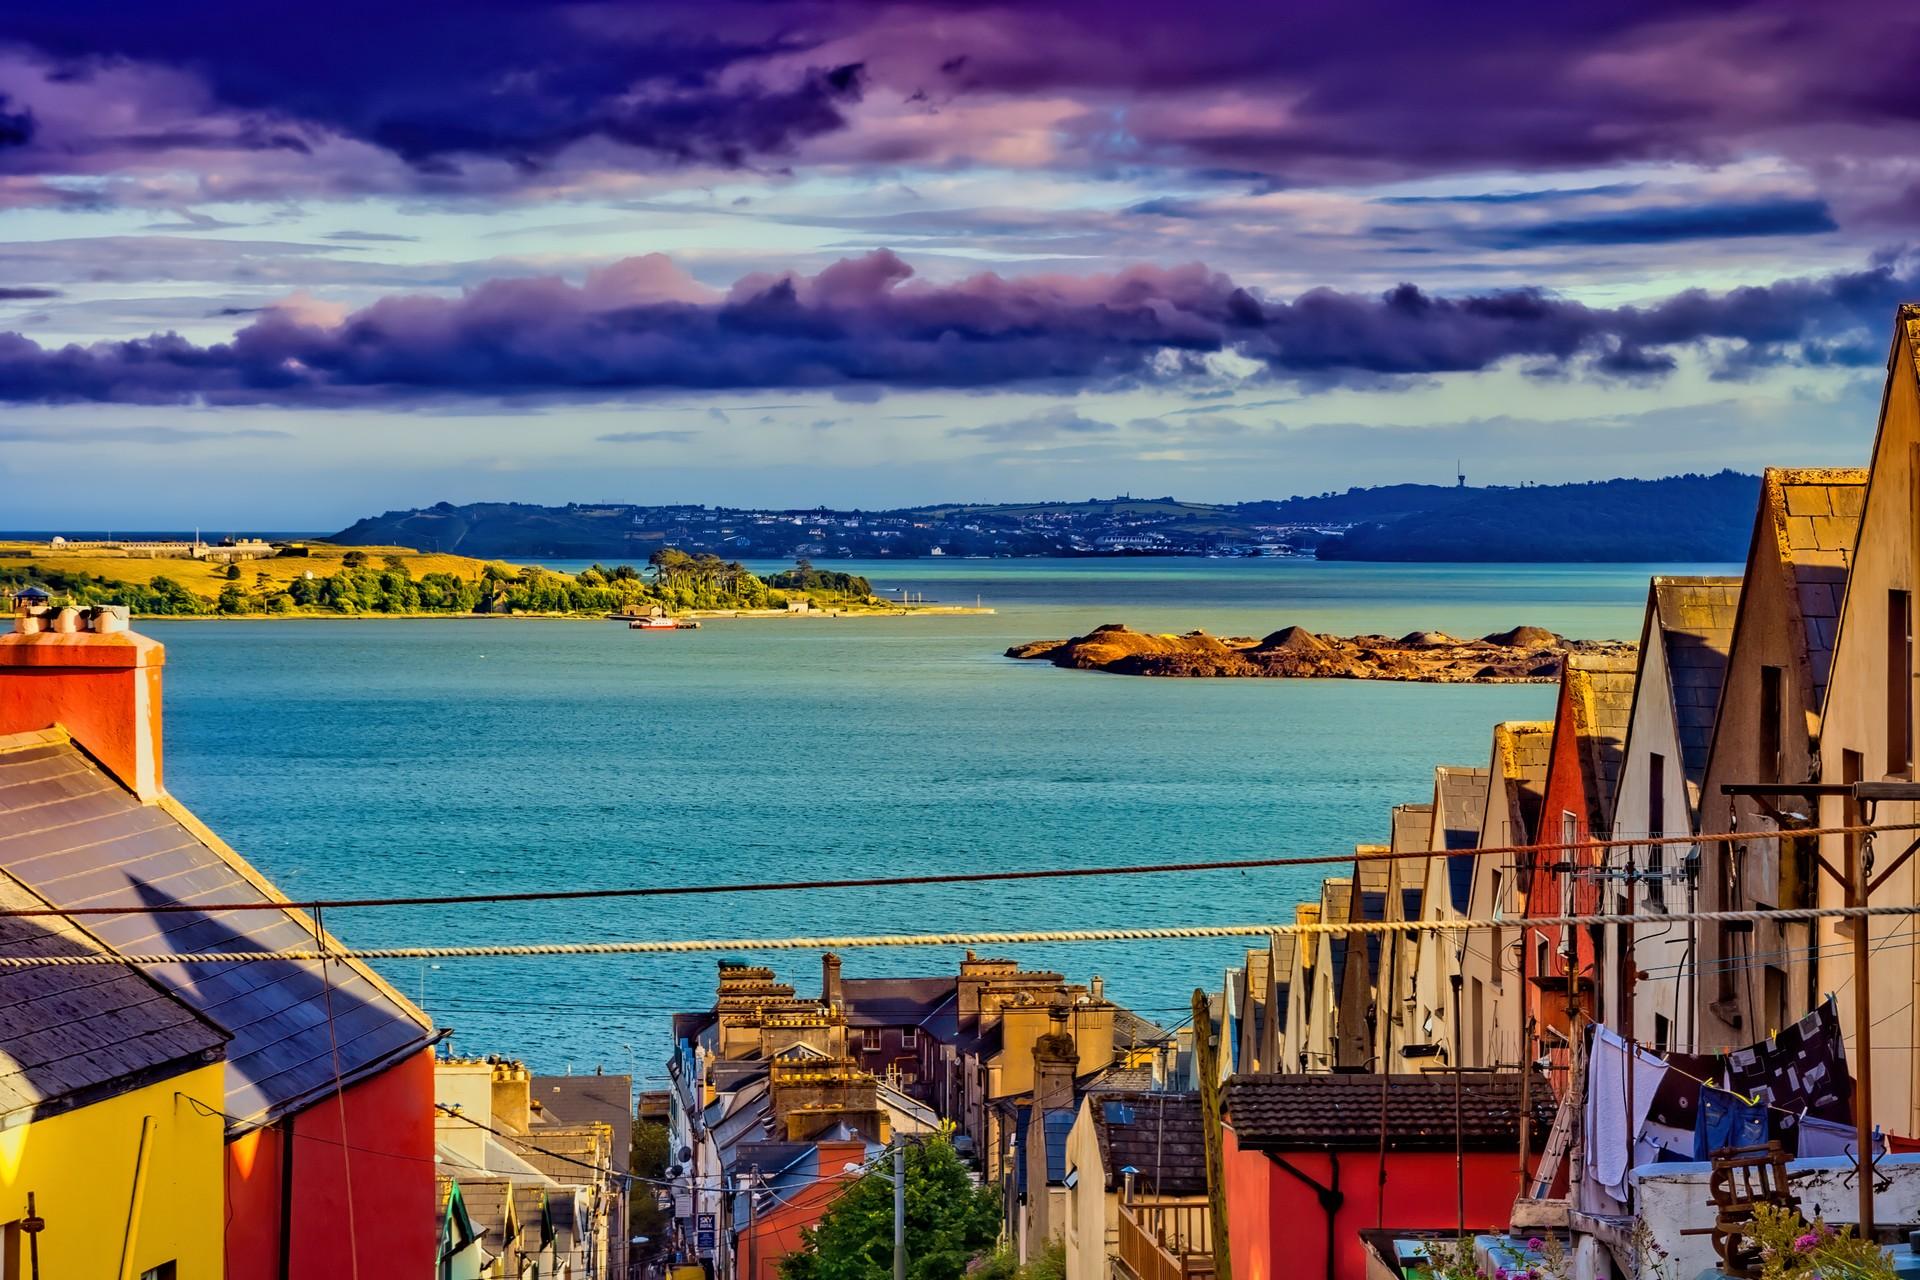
x: 1158, y: 1134
x: 1343, y: 1111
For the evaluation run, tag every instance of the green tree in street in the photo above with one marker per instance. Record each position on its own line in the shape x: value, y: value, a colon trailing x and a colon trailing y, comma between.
x: 647, y: 1158
x: 950, y: 1222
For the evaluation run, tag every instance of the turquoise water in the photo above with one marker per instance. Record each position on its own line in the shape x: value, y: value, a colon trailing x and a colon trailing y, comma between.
x: 352, y: 758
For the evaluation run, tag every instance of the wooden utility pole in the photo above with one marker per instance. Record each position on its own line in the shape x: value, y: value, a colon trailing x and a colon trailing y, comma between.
x: 1860, y: 893
x: 1207, y: 1063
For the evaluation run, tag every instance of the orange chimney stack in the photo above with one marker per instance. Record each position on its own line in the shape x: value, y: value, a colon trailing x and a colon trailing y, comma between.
x: 83, y: 671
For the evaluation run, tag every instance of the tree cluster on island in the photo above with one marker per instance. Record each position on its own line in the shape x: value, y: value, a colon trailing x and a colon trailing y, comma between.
x: 672, y: 580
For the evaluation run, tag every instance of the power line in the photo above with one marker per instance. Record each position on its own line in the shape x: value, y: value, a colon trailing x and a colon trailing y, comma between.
x: 1173, y: 933
x: 954, y: 877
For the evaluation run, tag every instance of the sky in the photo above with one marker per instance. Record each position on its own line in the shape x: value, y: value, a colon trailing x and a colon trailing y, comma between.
x: 281, y: 267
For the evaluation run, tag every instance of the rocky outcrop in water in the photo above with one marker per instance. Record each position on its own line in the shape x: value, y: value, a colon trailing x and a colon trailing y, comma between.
x: 1524, y: 654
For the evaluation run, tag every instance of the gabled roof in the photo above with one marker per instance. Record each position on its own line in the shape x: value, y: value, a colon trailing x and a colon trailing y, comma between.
x: 894, y: 1002
x: 74, y: 1034
x: 1459, y: 811
x: 1694, y: 620
x: 1157, y: 1134
x: 1600, y: 696
x: 1309, y: 1112
x: 1412, y: 827
x: 76, y: 837
x: 1808, y: 523
x: 572, y: 1100
x: 1336, y: 901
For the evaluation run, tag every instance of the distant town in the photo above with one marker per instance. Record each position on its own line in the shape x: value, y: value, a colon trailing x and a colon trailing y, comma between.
x: 1690, y: 517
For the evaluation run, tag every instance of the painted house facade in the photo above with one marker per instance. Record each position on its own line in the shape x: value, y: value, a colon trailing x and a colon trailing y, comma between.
x: 1459, y: 800
x: 1768, y: 731
x: 1510, y: 812
x: 1407, y: 875
x: 1685, y: 638
x: 1583, y: 768
x: 110, y: 1095
x: 328, y: 1092
x: 1867, y: 726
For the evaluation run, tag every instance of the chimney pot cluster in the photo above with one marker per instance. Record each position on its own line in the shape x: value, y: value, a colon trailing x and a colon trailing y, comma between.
x: 102, y: 619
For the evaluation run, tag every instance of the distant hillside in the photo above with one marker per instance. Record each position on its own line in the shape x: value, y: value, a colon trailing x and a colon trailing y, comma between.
x: 1677, y: 518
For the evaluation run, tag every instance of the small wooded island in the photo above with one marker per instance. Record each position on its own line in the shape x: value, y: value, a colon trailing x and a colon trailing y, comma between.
x: 1522, y: 655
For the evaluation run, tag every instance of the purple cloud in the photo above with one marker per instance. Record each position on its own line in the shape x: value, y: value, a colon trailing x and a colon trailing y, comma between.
x: 1280, y: 95
x: 863, y: 325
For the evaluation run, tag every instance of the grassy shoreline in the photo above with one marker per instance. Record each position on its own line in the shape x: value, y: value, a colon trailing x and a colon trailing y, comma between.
x: 715, y: 615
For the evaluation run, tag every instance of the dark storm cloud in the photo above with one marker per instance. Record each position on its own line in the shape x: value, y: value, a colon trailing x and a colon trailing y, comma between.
x: 862, y: 327
x: 439, y: 81
x: 1662, y: 225
x: 1281, y: 94
x: 22, y: 293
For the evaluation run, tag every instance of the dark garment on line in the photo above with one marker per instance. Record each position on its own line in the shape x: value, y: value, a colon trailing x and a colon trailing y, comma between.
x: 1803, y: 1068
x: 1676, y: 1103
x: 1726, y: 1121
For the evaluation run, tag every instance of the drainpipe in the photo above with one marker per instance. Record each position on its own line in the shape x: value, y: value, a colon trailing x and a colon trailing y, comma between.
x: 286, y: 1198
x: 1329, y: 1197
x: 137, y: 1198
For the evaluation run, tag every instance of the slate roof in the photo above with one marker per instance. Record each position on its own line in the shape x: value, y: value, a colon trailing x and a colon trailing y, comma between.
x: 1307, y: 1112
x: 1129, y: 1028
x: 1600, y: 687
x: 1412, y: 827
x: 486, y: 1200
x: 1336, y: 899
x: 1814, y: 517
x: 1522, y: 750
x: 1158, y: 1134
x: 1460, y: 800
x: 1370, y: 903
x: 76, y: 837
x: 74, y: 1034
x: 586, y: 1099
x: 893, y: 1002
x: 1695, y: 617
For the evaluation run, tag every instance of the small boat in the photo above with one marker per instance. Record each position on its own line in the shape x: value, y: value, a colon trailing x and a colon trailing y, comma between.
x: 661, y: 624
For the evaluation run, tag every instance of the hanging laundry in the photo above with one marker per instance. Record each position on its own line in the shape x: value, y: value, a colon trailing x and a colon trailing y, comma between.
x: 1677, y: 1103
x: 1826, y: 1138
x: 1611, y: 1118
x: 1801, y: 1069
x: 1727, y: 1121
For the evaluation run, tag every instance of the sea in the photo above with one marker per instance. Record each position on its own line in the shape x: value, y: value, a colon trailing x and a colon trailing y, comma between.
x: 354, y: 758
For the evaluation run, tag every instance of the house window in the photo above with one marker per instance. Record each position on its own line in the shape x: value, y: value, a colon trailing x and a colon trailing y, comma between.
x: 1656, y: 827
x: 1772, y: 704
x: 165, y: 1271
x: 856, y: 1039
x: 1662, y: 1032
x: 1569, y: 836
x: 1899, y: 682
x: 1497, y: 938
x: 910, y: 1038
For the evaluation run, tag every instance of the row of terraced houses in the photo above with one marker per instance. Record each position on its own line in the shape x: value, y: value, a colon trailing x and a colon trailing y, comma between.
x: 1759, y: 705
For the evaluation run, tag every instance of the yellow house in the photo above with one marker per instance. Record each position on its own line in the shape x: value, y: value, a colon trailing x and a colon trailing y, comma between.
x: 111, y: 1144
x: 1867, y: 735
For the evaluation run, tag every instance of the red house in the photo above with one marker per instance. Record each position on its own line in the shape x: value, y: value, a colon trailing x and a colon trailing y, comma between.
x: 1583, y: 771
x: 329, y: 1083
x: 1313, y: 1160
x: 791, y: 1198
